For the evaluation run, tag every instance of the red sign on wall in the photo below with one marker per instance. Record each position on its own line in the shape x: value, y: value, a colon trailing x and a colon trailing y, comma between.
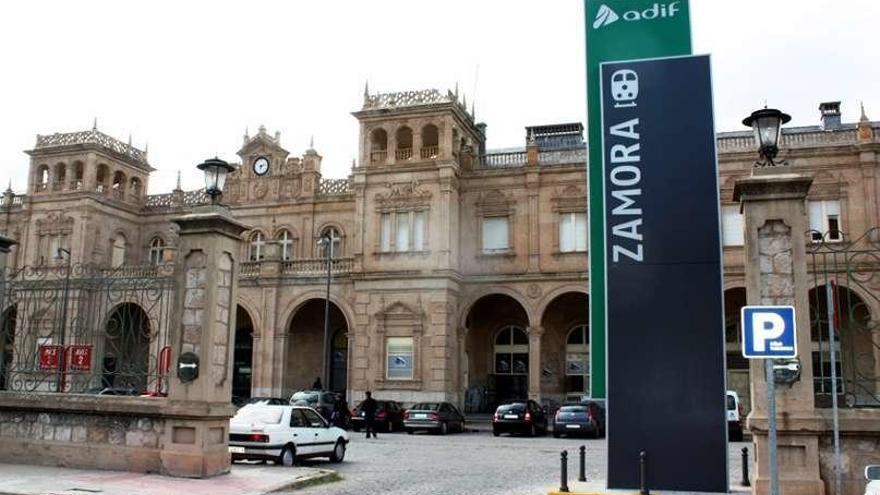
x: 80, y: 357
x: 50, y: 357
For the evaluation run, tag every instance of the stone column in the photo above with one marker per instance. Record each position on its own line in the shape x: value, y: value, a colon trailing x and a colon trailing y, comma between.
x: 776, y: 274
x: 197, y: 431
x: 535, y: 334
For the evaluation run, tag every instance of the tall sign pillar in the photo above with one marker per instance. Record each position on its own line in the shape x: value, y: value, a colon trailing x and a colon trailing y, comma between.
x: 773, y: 205
x: 196, y: 435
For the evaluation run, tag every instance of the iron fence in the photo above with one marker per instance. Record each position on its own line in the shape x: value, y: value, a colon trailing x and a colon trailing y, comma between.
x: 850, y: 269
x: 86, y: 329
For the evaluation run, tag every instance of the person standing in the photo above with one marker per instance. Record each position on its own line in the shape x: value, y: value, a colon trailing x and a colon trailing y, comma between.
x: 369, y: 406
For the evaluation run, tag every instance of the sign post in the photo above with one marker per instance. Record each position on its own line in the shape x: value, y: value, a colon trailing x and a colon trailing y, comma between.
x: 618, y: 30
x: 769, y: 333
x: 664, y: 292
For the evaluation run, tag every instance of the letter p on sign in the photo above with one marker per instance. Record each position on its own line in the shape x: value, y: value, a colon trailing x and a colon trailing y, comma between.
x: 768, y: 332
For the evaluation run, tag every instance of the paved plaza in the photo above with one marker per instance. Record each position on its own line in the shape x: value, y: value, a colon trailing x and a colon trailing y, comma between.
x: 472, y: 463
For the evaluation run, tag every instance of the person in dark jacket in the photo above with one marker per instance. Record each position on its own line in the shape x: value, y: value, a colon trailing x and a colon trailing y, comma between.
x: 369, y: 406
x: 316, y: 385
x: 340, y: 415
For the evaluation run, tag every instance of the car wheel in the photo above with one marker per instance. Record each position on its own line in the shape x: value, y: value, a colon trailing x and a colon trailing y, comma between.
x: 409, y: 431
x: 444, y: 428
x: 555, y: 434
x: 338, y: 453
x: 287, y: 457
x: 495, y: 433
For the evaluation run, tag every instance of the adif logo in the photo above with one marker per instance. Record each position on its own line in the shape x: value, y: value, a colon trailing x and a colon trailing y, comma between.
x: 606, y: 16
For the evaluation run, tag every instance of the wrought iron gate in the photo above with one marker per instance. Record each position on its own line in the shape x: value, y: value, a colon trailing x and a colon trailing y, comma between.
x: 852, y: 269
x: 86, y: 329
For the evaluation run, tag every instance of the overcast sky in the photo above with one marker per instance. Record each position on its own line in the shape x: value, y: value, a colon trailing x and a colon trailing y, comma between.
x: 188, y: 77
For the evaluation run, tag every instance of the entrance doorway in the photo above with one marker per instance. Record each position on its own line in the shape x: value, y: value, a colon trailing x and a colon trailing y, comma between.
x: 243, y: 355
x: 126, y: 349
x: 305, y: 347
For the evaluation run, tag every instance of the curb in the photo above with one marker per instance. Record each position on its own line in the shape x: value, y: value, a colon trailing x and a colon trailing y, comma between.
x: 308, y: 480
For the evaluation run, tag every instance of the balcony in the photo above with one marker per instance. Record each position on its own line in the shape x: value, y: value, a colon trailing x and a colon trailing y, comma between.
x: 430, y: 152
x: 378, y: 156
x: 316, y: 267
x: 249, y: 269
x: 403, y: 154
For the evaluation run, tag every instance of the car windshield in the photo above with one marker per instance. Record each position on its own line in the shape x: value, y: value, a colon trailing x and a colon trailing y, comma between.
x: 305, y: 397
x: 259, y: 415
x: 573, y: 409
x: 425, y: 406
x: 512, y: 408
x: 731, y: 403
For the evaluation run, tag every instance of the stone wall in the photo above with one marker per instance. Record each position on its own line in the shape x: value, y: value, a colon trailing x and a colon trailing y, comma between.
x: 58, y: 431
x: 859, y: 447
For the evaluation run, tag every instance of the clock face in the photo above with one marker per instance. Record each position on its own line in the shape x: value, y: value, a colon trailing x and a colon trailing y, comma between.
x: 261, y: 165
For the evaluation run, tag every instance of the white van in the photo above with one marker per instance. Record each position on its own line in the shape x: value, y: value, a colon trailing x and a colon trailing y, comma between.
x: 734, y: 417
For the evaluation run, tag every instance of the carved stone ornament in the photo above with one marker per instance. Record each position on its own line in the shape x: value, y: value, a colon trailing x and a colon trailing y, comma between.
x: 494, y: 202
x: 534, y: 291
x: 260, y: 190
x: 570, y: 198
x: 55, y: 220
x: 403, y: 194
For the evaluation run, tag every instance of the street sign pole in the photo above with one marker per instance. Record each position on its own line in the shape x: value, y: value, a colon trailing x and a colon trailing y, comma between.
x: 771, y: 426
x: 838, y: 472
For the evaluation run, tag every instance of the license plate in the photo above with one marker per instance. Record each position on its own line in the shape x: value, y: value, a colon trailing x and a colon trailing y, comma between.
x: 363, y: 414
x: 236, y: 450
x: 573, y: 427
x: 511, y: 416
x: 420, y: 416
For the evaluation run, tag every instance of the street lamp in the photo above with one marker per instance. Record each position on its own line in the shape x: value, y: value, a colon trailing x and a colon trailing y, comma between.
x: 767, y: 123
x: 215, y: 171
x: 326, y: 241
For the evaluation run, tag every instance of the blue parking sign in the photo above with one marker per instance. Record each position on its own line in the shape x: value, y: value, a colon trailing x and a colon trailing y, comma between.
x: 768, y: 332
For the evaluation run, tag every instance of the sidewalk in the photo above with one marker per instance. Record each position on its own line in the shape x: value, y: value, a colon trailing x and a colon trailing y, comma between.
x: 244, y: 479
x: 598, y: 487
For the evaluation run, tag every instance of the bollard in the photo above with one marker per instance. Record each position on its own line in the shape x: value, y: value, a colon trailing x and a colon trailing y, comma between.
x: 745, y: 467
x: 643, y: 473
x: 582, y: 474
x: 563, y: 483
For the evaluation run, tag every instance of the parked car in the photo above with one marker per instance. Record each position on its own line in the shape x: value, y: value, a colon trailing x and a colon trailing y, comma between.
x: 438, y: 417
x: 521, y: 416
x: 586, y: 418
x: 734, y: 417
x: 113, y: 391
x: 872, y: 474
x: 389, y: 416
x: 284, y: 434
x: 319, y: 400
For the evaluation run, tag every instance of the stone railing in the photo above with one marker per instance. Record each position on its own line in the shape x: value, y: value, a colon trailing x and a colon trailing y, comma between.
x: 249, y: 269
x: 93, y: 136
x: 406, y: 99
x: 429, y: 152
x: 316, y: 267
x: 744, y: 141
x: 167, y: 201
x: 563, y: 156
x: 12, y: 201
x: 378, y: 156
x: 509, y: 159
x: 403, y: 154
x: 334, y: 187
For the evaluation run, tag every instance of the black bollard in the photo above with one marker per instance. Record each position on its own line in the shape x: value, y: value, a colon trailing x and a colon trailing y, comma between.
x: 643, y: 473
x: 745, y: 467
x: 582, y: 474
x: 563, y: 483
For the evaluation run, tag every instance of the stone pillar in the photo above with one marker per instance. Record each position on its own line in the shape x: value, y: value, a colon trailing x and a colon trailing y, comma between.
x: 196, y: 434
x: 776, y: 274
x: 535, y: 334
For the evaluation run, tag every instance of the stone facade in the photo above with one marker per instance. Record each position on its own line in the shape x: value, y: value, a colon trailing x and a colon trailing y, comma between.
x: 458, y: 272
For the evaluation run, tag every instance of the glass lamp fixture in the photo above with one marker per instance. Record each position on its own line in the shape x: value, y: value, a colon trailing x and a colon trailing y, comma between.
x: 766, y: 124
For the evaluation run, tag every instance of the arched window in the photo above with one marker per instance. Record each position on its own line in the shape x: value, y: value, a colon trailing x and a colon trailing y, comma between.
x: 404, y: 144
x: 118, y: 186
x: 77, y: 176
x: 42, y: 178
x: 257, y: 246
x: 378, y: 145
x: 60, y: 176
x: 157, y: 251
x: 287, y: 243
x: 335, y: 243
x: 512, y: 351
x: 101, y: 178
x: 430, y: 141
x: 135, y: 187
x: 577, y: 360
x: 118, y: 251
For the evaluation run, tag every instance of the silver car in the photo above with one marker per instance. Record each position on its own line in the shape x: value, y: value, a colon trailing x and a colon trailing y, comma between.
x: 437, y: 417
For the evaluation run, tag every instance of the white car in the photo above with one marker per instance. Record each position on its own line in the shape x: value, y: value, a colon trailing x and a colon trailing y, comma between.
x: 734, y: 417
x: 872, y: 474
x: 284, y: 434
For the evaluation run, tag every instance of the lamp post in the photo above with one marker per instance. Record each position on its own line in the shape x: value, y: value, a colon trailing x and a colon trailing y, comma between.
x: 326, y: 241
x: 767, y: 123
x: 215, y: 171
x: 62, y: 337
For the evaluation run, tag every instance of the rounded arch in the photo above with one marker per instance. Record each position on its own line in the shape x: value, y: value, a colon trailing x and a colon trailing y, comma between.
x: 125, y: 354
x: 378, y: 139
x: 430, y: 135
x: 404, y: 137
x: 135, y: 187
x: 102, y: 175
x: 488, y: 291
x: 558, y: 291
x: 78, y: 168
x: 296, y: 304
x: 308, y: 350
x: 337, y: 234
x: 564, y: 362
x: 251, y: 309
x: 59, y: 175
x: 243, y: 354
x: 256, y: 244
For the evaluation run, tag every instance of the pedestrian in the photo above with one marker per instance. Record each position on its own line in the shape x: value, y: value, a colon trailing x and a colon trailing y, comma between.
x: 340, y: 415
x: 368, y: 407
x: 317, y: 384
